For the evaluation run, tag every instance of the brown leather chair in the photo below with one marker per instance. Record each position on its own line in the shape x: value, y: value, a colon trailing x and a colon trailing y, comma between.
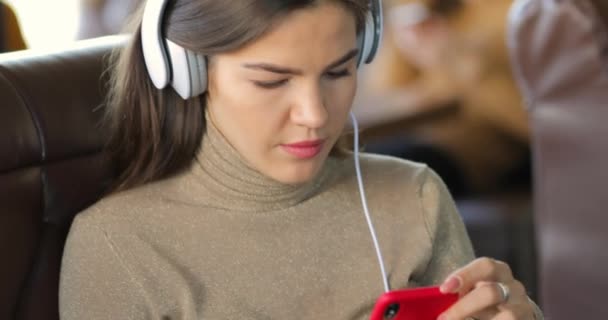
x: 560, y: 54
x: 50, y: 167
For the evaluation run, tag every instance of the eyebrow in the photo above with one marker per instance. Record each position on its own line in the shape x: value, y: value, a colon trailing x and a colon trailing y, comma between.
x: 284, y: 70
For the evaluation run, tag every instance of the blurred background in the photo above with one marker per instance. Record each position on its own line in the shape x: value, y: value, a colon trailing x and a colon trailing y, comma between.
x: 55, y: 24
x: 39, y: 28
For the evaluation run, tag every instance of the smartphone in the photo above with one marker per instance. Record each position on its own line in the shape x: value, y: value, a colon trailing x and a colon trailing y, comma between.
x: 413, y: 304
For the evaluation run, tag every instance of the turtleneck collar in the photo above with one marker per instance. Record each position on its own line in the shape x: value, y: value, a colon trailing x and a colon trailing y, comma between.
x: 234, y: 185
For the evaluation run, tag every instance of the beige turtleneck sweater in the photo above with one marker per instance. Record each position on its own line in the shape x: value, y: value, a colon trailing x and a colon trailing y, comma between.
x: 221, y: 241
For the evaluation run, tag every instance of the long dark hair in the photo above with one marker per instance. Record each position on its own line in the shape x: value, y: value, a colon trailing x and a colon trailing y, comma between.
x: 154, y: 133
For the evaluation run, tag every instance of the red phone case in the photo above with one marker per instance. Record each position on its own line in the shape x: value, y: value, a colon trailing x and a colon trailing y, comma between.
x: 413, y: 304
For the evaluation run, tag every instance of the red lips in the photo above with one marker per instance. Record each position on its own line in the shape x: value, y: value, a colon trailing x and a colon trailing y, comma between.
x: 304, y: 149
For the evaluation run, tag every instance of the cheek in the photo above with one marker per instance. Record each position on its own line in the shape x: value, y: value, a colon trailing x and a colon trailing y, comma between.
x: 246, y: 117
x: 340, y: 99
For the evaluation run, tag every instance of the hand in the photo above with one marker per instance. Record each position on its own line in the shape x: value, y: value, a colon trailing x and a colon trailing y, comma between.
x: 487, y: 291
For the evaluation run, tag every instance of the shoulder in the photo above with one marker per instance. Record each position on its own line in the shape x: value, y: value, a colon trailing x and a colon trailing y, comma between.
x: 393, y: 180
x: 124, y: 210
x: 423, y: 180
x: 395, y: 172
x: 398, y: 181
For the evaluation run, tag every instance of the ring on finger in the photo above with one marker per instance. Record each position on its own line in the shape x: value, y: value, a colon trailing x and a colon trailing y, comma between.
x: 504, y: 291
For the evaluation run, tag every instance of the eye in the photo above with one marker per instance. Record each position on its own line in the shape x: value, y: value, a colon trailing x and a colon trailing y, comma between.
x: 338, y: 74
x: 270, y: 84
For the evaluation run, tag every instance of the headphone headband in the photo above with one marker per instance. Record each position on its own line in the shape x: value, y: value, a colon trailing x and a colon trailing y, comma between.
x: 186, y: 71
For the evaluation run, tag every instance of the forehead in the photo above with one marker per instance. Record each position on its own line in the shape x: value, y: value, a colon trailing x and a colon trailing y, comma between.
x: 327, y: 29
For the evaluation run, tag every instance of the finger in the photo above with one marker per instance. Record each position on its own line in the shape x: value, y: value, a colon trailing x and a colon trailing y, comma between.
x: 520, y: 308
x: 464, y: 279
x: 517, y: 293
x: 482, y: 299
x: 487, y: 314
x: 513, y: 314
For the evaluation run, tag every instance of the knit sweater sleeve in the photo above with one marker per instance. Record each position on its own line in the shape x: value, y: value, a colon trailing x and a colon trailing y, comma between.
x: 451, y: 246
x: 95, y: 283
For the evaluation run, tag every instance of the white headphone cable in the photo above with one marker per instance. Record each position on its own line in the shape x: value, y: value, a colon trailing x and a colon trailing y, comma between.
x: 364, y: 201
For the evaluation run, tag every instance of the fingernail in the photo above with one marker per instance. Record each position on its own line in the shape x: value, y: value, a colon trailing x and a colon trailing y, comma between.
x: 442, y: 317
x: 451, y: 285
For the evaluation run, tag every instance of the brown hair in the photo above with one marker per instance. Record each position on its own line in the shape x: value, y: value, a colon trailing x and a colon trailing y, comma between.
x: 154, y: 133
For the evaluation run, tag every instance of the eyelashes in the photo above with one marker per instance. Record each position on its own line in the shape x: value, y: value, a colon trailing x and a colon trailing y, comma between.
x: 338, y: 74
x: 271, y: 84
x: 276, y: 84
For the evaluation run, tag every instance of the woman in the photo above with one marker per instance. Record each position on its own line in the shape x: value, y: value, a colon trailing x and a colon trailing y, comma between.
x: 237, y: 204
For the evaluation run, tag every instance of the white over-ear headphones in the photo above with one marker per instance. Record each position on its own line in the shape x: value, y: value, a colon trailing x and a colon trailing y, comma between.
x: 186, y: 71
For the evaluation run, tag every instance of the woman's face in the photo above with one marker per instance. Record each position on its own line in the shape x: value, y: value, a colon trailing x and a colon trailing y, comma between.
x: 283, y: 100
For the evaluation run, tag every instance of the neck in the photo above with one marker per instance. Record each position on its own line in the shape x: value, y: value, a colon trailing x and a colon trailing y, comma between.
x: 234, y: 185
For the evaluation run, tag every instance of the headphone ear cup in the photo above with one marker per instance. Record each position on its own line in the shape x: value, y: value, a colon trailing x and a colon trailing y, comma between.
x: 189, y: 71
x: 180, y: 69
x: 369, y: 39
x: 361, y: 46
x: 366, y: 40
x: 203, y: 76
x: 198, y: 72
x: 193, y: 73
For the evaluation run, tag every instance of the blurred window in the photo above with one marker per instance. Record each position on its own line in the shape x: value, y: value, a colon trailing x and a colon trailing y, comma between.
x: 47, y: 24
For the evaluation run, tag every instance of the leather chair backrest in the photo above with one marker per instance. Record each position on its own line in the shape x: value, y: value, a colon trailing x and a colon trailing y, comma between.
x: 2, y: 28
x: 559, y: 50
x: 50, y: 166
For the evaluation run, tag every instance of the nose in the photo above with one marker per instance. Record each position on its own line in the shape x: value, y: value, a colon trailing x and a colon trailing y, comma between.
x: 309, y: 107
